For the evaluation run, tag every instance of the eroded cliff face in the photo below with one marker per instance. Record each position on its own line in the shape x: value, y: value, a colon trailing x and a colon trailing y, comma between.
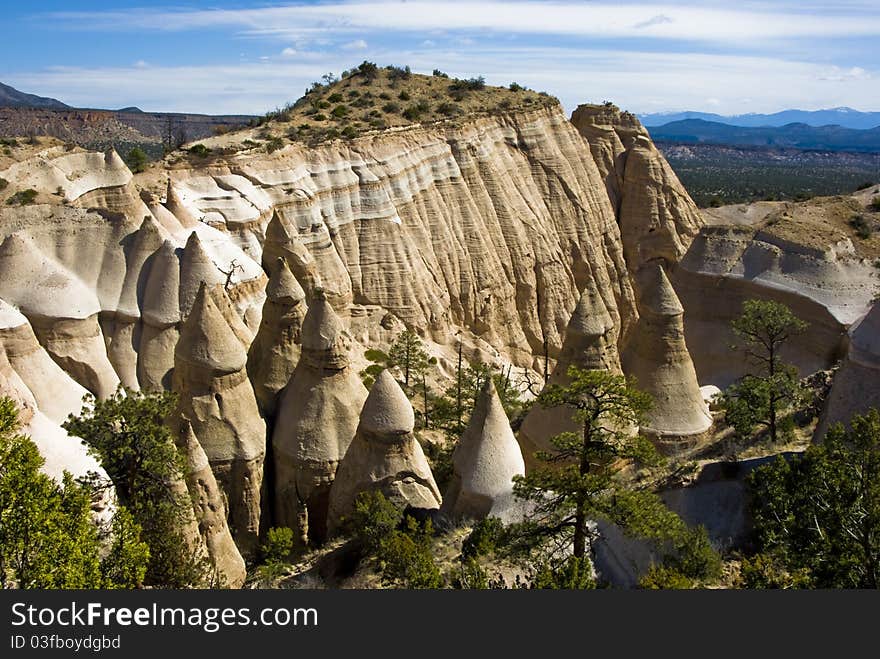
x: 494, y: 224
x: 489, y: 229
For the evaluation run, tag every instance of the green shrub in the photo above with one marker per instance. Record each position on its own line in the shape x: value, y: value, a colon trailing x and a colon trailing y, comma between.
x: 320, y: 117
x: 448, y: 109
x: 323, y: 105
x: 3, y: 184
x: 416, y: 111
x: 339, y: 111
x: 368, y: 70
x: 515, y: 87
x: 470, y: 84
x: 385, y: 96
x: 575, y: 574
x: 661, y: 577
x: 397, y: 73
x: 274, y: 144
x: 337, y: 97
x: 861, y: 225
x: 875, y: 204
x: 372, y: 520
x: 437, y: 73
x: 22, y: 198
x: 406, y: 557
x: 136, y: 160
x: 391, y: 108
x: 404, y: 96
x: 199, y: 150
x: 350, y: 132
x: 279, y: 544
x: 483, y: 538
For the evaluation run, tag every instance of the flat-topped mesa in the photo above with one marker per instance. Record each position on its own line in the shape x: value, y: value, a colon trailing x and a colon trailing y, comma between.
x: 657, y: 217
x: 275, y: 351
x: 62, y: 310
x: 384, y: 456
x: 215, y: 396
x: 856, y: 385
x: 317, y: 418
x: 658, y: 358
x: 161, y: 316
x: 590, y: 344
x: 485, y: 460
x: 209, y: 506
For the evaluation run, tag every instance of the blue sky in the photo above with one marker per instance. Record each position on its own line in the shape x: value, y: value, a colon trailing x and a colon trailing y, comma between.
x: 227, y: 56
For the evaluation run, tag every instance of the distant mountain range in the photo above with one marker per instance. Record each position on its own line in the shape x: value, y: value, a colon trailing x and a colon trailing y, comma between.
x: 12, y: 98
x: 795, y: 136
x: 845, y: 117
x: 24, y: 114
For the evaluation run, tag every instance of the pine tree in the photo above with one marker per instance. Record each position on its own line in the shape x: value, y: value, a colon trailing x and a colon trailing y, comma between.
x: 576, y: 484
x: 126, y: 432
x: 408, y: 353
x: 758, y: 398
x: 48, y: 535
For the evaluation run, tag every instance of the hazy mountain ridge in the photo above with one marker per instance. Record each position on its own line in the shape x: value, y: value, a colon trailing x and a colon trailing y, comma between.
x: 794, y: 135
x: 842, y: 116
x: 11, y: 97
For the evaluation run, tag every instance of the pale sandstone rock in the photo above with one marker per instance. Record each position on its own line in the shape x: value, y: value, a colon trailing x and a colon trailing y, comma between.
x: 161, y: 316
x: 590, y: 344
x: 384, y: 456
x: 658, y: 359
x: 656, y: 216
x: 856, y: 385
x: 216, y: 397
x: 275, y: 351
x: 485, y: 460
x: 316, y: 421
x: 210, y: 510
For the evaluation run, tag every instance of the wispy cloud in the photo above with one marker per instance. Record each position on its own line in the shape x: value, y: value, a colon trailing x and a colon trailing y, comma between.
x: 725, y: 83
x: 605, y: 19
x: 646, y: 55
x: 357, y: 44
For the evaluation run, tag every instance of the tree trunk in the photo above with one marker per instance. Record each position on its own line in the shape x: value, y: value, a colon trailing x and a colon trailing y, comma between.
x: 458, y: 388
x: 425, y: 399
x: 580, y: 518
x: 772, y: 395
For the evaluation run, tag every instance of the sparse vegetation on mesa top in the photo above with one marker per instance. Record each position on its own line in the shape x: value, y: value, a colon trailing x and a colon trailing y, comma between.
x: 370, y: 97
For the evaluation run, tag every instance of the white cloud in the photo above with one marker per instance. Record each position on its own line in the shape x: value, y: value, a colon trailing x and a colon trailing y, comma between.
x: 635, y: 81
x: 141, y: 64
x: 288, y: 52
x: 712, y: 23
x: 836, y: 74
x: 357, y: 44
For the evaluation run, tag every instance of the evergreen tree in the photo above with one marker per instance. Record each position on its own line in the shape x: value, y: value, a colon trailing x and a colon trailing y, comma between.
x: 759, y: 397
x: 817, y: 516
x: 576, y: 485
x: 409, y: 355
x: 48, y: 535
x: 126, y: 432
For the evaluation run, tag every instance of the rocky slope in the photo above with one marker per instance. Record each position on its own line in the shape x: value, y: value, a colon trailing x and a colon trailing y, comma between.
x: 489, y: 228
